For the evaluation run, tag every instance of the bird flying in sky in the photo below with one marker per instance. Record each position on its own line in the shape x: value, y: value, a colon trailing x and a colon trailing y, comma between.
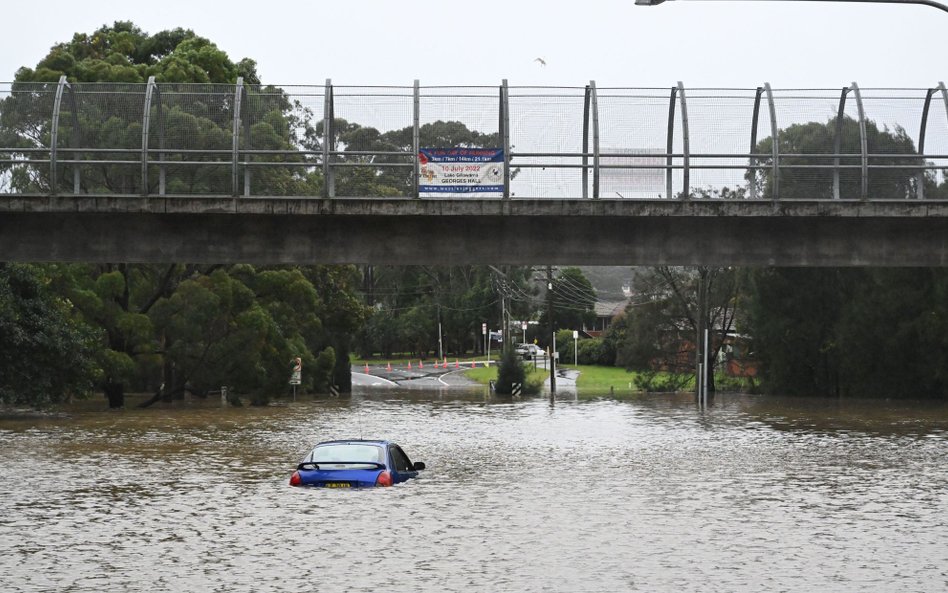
x: 541, y: 61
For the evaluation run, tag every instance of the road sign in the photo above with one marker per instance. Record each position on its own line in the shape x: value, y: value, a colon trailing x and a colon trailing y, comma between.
x: 296, y: 378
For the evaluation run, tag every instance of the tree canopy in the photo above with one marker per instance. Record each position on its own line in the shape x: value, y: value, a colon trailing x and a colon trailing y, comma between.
x: 849, y: 332
x: 46, y: 353
x: 124, y: 53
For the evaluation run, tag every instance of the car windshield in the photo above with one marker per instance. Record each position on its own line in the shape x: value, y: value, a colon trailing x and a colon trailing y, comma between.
x: 350, y: 455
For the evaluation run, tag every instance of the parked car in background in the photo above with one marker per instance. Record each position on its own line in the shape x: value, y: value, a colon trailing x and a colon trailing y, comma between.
x: 528, y: 351
x: 355, y: 464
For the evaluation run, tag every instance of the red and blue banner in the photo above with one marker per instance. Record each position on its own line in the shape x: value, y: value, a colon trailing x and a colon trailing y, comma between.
x: 461, y: 170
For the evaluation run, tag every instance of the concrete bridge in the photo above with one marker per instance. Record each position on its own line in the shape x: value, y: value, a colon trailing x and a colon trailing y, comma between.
x: 464, y: 231
x: 196, y: 173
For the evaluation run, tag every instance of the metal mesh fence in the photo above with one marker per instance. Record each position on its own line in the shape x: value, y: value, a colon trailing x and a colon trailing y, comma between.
x: 374, y: 148
x: 561, y: 142
x: 281, y: 140
x: 547, y: 122
x: 25, y: 116
x: 635, y: 122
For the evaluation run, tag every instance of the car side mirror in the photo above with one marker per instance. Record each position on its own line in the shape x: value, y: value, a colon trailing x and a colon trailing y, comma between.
x: 418, y: 466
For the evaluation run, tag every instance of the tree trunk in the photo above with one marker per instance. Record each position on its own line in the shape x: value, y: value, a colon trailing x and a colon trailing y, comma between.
x: 115, y: 392
x: 342, y: 373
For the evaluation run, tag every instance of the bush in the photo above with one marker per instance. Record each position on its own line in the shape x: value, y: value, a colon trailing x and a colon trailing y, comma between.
x: 660, y: 382
x: 596, y: 352
x: 509, y: 372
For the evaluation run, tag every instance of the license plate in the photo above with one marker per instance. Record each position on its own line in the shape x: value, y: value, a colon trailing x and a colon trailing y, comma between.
x: 338, y: 485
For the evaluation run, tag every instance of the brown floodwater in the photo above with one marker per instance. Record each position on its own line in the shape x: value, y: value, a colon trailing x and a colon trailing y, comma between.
x: 753, y: 494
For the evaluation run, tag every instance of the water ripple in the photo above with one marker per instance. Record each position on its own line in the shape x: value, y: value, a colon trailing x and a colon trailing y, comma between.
x: 649, y: 495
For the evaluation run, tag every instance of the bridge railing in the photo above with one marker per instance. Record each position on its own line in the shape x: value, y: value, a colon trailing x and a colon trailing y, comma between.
x: 159, y: 139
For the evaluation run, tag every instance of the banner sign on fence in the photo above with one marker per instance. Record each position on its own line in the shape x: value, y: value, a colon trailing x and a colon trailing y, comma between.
x: 461, y: 170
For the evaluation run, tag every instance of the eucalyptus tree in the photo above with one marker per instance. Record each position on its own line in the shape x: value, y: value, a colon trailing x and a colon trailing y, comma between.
x: 47, y: 354
x: 175, y: 325
x: 836, y: 331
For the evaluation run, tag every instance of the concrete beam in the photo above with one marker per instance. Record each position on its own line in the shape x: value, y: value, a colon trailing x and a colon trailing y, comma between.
x: 468, y: 231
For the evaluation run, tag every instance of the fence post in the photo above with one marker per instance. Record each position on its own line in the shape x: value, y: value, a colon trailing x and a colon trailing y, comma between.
x: 146, y: 126
x: 920, y: 176
x: 235, y: 138
x: 586, y: 101
x: 752, y: 162
x: 594, y: 108
x: 944, y: 95
x: 74, y: 140
x: 54, y: 136
x: 248, y: 140
x: 505, y: 133
x: 863, y: 145
x: 775, y: 148
x: 838, y: 141
x: 670, y: 144
x: 328, y: 140
x: 686, y: 149
x: 416, y: 138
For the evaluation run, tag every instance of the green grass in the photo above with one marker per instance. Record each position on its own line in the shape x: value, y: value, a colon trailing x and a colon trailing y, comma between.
x: 484, y: 375
x: 594, y: 381
x: 601, y: 379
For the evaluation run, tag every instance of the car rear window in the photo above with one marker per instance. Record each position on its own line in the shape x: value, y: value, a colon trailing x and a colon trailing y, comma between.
x: 346, y: 455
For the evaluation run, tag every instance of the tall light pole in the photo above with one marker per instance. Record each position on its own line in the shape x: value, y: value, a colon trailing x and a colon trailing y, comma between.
x: 932, y: 3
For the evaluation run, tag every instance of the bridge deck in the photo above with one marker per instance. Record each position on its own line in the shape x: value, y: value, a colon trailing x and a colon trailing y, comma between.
x: 303, y: 230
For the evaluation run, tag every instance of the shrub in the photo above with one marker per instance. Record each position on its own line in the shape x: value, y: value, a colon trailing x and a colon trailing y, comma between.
x: 509, y: 372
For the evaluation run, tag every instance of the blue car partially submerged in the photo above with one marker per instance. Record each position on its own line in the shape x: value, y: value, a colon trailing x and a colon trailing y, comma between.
x: 355, y: 464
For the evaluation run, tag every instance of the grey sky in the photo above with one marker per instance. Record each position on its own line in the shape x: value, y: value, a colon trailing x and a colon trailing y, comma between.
x: 702, y: 43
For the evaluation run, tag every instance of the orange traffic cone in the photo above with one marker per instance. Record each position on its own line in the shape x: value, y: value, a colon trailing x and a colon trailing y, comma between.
x: 421, y: 365
x: 389, y: 367
x: 457, y: 363
x: 409, y: 365
x: 366, y: 368
x: 473, y: 364
x: 445, y: 362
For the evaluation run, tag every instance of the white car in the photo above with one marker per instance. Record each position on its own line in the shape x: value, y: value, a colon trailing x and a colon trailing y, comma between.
x: 528, y: 351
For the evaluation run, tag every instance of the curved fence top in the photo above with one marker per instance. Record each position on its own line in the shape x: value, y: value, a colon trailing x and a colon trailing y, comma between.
x: 326, y: 140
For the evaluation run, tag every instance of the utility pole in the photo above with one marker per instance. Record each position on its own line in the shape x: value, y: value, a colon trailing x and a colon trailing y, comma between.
x: 552, y: 331
x: 503, y: 321
x: 440, y: 339
x: 701, y: 357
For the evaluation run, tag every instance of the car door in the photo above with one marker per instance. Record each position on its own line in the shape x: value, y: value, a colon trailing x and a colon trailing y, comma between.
x: 401, y: 464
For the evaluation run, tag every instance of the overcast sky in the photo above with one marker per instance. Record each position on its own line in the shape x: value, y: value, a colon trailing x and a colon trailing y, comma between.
x: 704, y: 43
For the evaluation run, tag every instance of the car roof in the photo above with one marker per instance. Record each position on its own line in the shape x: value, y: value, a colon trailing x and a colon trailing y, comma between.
x: 378, y: 442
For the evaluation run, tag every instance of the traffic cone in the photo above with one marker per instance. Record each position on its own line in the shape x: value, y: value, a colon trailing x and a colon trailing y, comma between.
x: 473, y: 364
x: 457, y: 363
x: 389, y: 367
x: 409, y: 365
x: 366, y: 368
x: 445, y: 362
x: 421, y: 365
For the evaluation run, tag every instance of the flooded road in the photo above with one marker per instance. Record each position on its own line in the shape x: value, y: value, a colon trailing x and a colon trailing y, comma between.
x: 754, y: 494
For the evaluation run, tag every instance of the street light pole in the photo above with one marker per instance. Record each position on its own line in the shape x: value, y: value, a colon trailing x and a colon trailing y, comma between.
x: 932, y: 3
x: 552, y: 330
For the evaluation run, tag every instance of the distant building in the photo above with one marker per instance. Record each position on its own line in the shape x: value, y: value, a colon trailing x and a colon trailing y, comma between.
x: 606, y: 312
